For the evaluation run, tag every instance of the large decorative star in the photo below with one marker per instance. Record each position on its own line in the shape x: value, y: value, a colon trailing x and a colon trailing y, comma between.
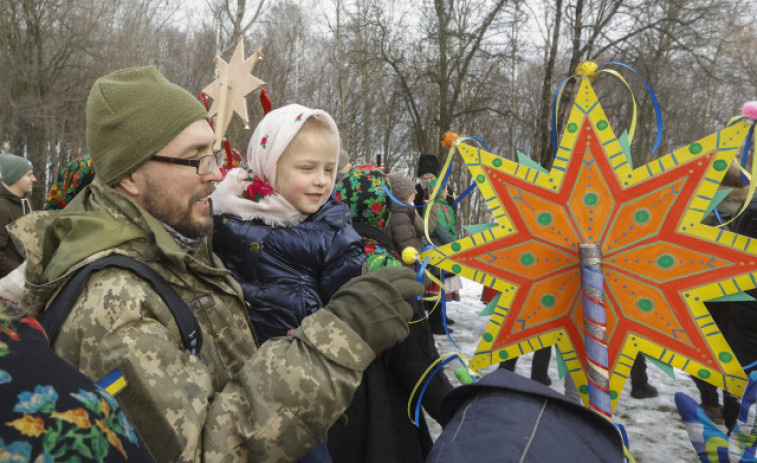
x: 235, y: 81
x: 659, y: 262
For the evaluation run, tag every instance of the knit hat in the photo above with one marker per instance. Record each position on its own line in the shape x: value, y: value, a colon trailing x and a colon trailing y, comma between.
x: 13, y: 167
x: 274, y: 133
x: 428, y: 164
x: 402, y: 187
x: 344, y: 159
x: 131, y: 114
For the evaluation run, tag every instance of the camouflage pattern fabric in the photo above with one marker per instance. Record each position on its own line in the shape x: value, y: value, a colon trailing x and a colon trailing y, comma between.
x: 236, y: 402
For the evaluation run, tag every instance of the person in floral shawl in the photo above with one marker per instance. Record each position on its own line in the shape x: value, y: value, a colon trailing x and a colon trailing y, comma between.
x: 377, y: 428
x: 71, y: 180
x: 363, y: 190
x: 50, y: 411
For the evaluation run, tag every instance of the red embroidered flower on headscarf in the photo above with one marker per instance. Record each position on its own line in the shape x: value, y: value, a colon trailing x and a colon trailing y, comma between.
x: 258, y: 189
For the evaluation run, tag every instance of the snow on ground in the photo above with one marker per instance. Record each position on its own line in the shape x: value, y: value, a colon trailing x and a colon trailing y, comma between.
x: 655, y: 431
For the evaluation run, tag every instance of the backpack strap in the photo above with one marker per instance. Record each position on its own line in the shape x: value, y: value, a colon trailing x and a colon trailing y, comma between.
x: 59, y: 308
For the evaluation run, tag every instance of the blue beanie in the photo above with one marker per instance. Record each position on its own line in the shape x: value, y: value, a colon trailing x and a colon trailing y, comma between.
x: 13, y: 167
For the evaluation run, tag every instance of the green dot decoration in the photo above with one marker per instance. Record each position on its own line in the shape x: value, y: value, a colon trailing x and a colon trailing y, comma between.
x: 456, y: 268
x: 613, y: 395
x: 695, y: 148
x: 641, y: 216
x: 572, y: 127
x: 488, y: 337
x: 497, y: 162
x: 544, y: 219
x: 666, y: 261
x: 456, y: 247
x: 591, y: 199
x: 601, y: 125
x: 584, y: 389
x: 645, y: 304
x: 480, y: 178
x: 527, y: 259
x: 720, y: 165
x: 704, y: 374
x: 503, y: 354
x: 725, y: 357
x: 548, y: 300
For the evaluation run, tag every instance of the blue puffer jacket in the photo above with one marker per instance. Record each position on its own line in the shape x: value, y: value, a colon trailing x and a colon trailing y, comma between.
x: 287, y: 273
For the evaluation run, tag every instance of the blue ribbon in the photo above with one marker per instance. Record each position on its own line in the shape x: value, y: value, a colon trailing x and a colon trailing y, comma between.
x: 463, y: 194
x: 428, y: 381
x: 422, y: 268
x: 554, y: 113
x: 388, y: 192
x: 745, y: 155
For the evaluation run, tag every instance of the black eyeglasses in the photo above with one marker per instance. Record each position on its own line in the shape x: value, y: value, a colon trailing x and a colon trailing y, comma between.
x: 204, y: 165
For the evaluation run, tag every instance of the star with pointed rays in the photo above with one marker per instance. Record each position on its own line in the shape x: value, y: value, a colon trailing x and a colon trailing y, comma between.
x: 229, y: 91
x: 660, y: 264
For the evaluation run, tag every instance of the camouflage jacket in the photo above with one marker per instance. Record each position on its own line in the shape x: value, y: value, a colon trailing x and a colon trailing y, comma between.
x: 236, y: 402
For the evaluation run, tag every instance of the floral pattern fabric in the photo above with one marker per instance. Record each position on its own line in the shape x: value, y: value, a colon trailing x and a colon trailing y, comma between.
x: 71, y: 180
x: 50, y: 412
x: 363, y: 190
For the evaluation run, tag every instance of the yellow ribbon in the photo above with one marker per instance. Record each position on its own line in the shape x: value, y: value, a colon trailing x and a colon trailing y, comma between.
x: 632, y: 127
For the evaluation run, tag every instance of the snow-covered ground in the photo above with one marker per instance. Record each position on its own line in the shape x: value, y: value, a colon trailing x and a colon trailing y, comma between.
x: 655, y: 431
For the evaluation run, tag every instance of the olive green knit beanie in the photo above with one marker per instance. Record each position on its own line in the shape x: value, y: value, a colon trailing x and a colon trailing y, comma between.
x: 131, y: 114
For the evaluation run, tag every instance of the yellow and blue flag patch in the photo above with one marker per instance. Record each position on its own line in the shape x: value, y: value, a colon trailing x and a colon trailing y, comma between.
x: 114, y: 382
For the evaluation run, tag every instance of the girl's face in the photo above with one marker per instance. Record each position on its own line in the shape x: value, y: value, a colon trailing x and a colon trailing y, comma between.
x: 305, y: 173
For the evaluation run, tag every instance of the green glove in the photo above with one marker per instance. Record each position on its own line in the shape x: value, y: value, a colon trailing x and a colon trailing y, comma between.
x: 374, y: 305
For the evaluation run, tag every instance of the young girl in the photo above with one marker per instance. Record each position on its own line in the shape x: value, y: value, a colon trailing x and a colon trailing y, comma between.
x: 286, y: 240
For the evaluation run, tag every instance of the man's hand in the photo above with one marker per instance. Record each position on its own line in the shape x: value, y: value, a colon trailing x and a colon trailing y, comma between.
x: 374, y: 305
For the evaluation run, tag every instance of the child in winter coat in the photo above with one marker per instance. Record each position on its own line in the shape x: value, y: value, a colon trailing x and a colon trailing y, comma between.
x: 377, y: 428
x: 405, y: 228
x: 286, y: 240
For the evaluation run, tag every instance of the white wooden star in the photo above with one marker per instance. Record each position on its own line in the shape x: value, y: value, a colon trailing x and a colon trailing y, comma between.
x: 229, y: 91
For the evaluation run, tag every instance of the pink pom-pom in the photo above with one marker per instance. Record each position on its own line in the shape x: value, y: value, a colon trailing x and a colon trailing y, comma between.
x: 750, y: 110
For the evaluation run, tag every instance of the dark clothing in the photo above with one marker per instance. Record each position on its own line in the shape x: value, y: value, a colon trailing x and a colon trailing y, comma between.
x: 11, y: 208
x: 507, y: 418
x: 421, y: 194
x: 50, y: 408
x: 737, y: 321
x: 539, y: 365
x: 639, y: 376
x: 287, y: 273
x: 377, y: 428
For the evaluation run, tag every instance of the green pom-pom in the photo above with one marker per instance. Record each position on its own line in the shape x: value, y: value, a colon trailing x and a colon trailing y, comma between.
x: 463, y: 375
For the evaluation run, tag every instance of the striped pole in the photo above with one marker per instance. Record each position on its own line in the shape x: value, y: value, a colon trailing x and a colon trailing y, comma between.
x: 595, y: 327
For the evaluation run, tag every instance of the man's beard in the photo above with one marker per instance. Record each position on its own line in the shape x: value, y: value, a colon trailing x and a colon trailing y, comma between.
x: 157, y: 202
